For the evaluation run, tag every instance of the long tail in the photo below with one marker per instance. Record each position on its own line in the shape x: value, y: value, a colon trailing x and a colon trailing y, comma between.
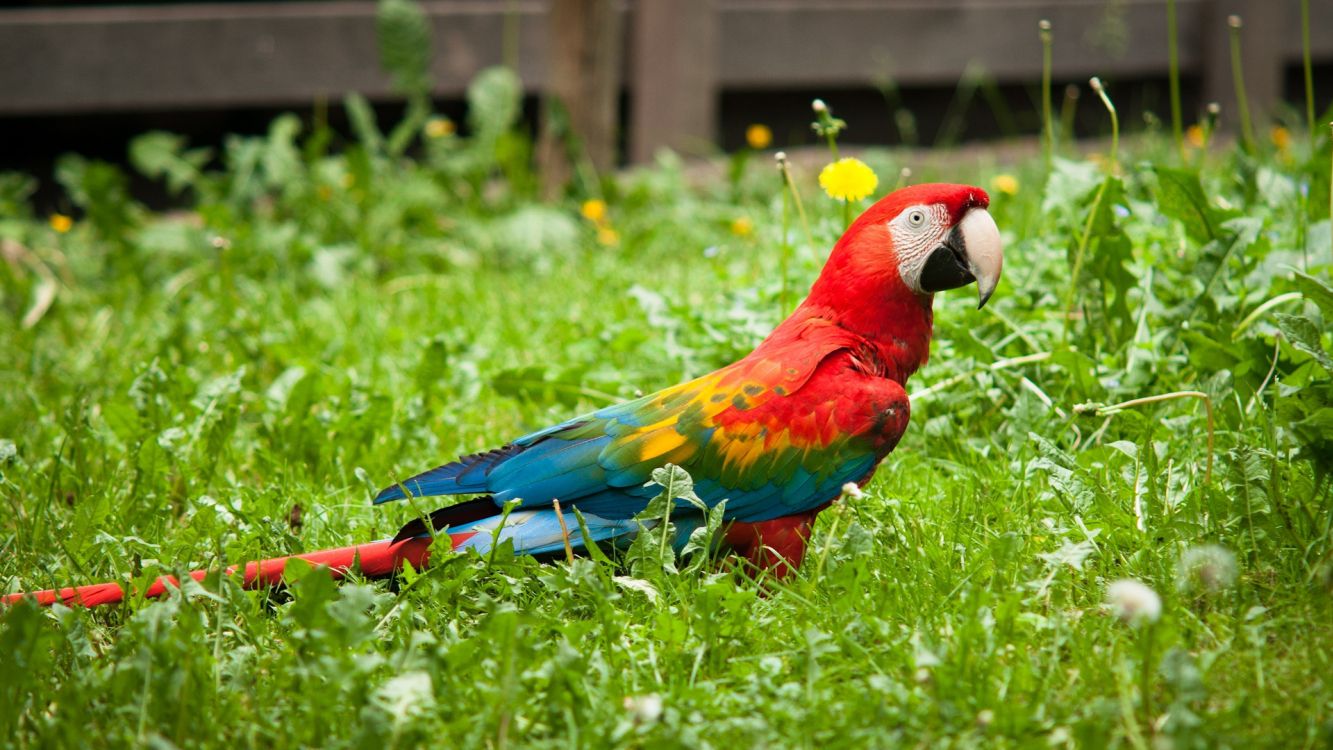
x: 376, y: 559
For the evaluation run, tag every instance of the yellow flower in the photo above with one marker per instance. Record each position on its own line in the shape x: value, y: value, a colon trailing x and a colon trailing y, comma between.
x: 61, y: 223
x: 1194, y: 136
x: 848, y: 180
x: 439, y: 127
x: 758, y: 136
x: 1005, y: 183
x: 594, y: 210
x: 1281, y: 138
x: 741, y: 226
x: 607, y: 236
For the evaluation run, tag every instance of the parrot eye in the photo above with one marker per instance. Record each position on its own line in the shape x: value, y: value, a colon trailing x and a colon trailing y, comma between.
x: 916, y: 218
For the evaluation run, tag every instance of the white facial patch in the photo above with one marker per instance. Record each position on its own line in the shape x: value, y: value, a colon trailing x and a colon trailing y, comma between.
x: 916, y: 232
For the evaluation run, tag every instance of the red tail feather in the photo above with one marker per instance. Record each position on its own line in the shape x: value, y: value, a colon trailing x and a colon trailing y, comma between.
x: 376, y: 559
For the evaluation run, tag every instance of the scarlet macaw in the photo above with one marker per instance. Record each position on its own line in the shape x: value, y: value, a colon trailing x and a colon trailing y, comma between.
x: 777, y: 434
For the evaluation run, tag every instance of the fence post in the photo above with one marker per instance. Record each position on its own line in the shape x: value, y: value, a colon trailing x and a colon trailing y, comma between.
x: 674, y: 98
x: 582, y: 89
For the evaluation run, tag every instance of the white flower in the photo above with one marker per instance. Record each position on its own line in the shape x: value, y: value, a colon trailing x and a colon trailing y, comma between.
x: 852, y: 491
x: 647, y: 709
x: 1206, y: 568
x: 1132, y: 601
x: 818, y: 105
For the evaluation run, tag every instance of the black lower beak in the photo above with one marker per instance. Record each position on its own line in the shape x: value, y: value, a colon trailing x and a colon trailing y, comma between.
x: 946, y: 268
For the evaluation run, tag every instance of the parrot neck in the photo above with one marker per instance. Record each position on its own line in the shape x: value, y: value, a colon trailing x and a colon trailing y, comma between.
x: 871, y: 301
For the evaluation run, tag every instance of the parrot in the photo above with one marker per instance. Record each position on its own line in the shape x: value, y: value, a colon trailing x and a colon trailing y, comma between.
x: 776, y: 436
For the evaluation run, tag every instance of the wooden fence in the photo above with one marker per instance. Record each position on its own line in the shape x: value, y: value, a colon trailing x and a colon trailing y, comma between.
x: 679, y: 54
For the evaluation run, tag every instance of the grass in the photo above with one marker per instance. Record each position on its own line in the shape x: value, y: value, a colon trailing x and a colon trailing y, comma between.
x: 323, y: 320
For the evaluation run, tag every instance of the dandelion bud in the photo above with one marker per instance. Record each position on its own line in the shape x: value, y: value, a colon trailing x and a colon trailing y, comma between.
x: 819, y: 106
x: 1071, y: 92
x: 1233, y: 21
x: 1214, y: 109
x: 1044, y: 26
x: 781, y: 158
x: 1134, y: 602
x: 1096, y: 84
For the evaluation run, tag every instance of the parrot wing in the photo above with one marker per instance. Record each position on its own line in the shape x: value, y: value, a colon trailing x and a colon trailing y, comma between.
x: 776, y: 433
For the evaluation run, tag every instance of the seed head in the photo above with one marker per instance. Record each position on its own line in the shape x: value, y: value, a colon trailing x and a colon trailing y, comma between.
x: 646, y: 709
x: 1207, y: 568
x: 1133, y: 602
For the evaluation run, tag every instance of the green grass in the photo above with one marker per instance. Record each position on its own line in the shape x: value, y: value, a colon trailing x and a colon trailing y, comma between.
x: 322, y: 322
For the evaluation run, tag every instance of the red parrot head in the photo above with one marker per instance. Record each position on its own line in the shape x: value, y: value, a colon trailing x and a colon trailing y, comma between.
x: 881, y: 277
x: 926, y: 238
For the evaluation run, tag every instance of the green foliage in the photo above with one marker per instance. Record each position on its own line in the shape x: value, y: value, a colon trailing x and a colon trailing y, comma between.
x: 323, y: 319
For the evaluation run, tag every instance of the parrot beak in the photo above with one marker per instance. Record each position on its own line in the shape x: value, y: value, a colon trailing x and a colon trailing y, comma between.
x: 970, y: 253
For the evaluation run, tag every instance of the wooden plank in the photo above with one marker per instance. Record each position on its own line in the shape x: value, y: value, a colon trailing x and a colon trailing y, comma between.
x: 674, y: 98
x: 925, y: 42
x: 80, y: 59
x: 182, y: 56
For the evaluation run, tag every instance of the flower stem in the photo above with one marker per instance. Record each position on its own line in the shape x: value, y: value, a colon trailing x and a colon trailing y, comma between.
x: 1305, y: 62
x: 1238, y: 77
x: 786, y: 234
x: 1174, y: 62
x: 1048, y: 126
x: 1079, y: 254
x: 1114, y: 161
x: 1068, y: 108
x: 1145, y: 675
x: 1106, y: 411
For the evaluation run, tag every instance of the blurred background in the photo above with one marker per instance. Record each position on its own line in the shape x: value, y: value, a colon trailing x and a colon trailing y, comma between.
x: 630, y: 77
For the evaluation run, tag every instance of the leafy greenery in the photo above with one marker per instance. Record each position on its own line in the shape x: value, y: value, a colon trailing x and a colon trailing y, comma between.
x: 211, y: 386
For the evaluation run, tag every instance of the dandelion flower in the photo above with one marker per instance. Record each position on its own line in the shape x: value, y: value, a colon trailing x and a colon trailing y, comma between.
x: 758, y: 136
x: 1206, y: 568
x: 741, y: 226
x: 1005, y: 183
x: 848, y: 180
x: 608, y: 236
x: 594, y: 210
x: 852, y: 491
x: 439, y: 127
x: 646, y: 709
x: 1134, y: 602
x: 61, y: 223
x: 1194, y: 136
x: 1281, y: 138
